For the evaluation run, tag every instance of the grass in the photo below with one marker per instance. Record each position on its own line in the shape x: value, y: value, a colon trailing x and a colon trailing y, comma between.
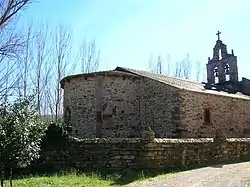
x: 90, y: 179
x: 102, y: 179
x: 63, y: 180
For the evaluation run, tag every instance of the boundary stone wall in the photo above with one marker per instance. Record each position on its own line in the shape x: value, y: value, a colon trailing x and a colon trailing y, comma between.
x: 143, y: 153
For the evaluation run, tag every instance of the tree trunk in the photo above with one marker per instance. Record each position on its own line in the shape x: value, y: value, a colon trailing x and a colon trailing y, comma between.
x: 10, y: 178
x: 2, y: 176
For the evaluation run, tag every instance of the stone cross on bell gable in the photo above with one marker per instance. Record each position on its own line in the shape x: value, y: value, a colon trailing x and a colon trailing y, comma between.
x: 218, y: 33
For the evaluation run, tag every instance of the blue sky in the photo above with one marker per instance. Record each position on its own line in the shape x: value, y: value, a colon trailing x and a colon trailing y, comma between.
x: 129, y: 31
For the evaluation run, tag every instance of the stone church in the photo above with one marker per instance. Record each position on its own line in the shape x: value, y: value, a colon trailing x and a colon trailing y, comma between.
x: 123, y: 102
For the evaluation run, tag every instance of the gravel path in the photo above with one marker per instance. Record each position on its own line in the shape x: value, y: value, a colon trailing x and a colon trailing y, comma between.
x: 232, y: 175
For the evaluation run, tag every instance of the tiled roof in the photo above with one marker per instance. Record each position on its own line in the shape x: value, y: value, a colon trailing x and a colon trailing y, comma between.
x: 181, y: 83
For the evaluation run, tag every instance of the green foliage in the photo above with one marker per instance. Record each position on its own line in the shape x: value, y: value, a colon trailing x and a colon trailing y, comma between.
x: 56, y: 135
x: 65, y: 180
x: 21, y: 133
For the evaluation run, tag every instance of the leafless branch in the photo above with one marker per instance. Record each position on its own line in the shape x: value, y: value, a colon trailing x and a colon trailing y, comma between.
x: 198, y: 71
x: 159, y: 65
x: 9, y: 8
x: 89, y: 56
x: 186, y: 66
x: 62, y: 53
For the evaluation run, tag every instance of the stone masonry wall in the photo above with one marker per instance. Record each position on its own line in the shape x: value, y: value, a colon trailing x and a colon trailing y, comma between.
x: 120, y: 105
x: 160, y: 108
x: 231, y: 116
x: 118, y: 154
x: 104, y: 103
x: 79, y: 99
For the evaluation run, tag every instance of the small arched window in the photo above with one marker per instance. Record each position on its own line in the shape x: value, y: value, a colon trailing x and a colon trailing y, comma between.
x: 227, y: 71
x: 216, y: 74
x: 220, y: 55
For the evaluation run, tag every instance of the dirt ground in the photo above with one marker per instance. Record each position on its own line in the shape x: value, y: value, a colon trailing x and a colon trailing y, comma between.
x: 232, y: 175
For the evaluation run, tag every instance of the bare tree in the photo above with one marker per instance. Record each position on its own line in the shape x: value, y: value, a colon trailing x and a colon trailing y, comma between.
x: 168, y: 71
x: 7, y: 81
x: 156, y: 67
x: 203, y: 72
x: 62, y: 53
x: 25, y: 62
x: 10, y: 48
x: 11, y: 44
x: 182, y: 69
x: 10, y: 39
x: 89, y: 56
x: 9, y: 8
x: 198, y: 70
x: 178, y: 69
x: 159, y: 65
x: 151, y: 64
x: 41, y: 61
x: 186, y: 67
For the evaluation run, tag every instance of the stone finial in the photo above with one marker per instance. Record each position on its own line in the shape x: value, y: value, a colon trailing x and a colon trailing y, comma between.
x: 232, y: 52
x: 208, y: 58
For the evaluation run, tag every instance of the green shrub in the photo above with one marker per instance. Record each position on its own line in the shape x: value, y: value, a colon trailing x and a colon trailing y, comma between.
x: 21, y: 133
x: 56, y: 135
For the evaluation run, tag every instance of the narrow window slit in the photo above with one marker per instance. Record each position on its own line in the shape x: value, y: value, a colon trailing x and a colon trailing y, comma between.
x: 207, y: 116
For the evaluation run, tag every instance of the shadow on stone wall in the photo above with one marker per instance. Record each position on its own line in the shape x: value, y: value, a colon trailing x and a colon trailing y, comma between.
x: 130, y: 156
x: 141, y: 153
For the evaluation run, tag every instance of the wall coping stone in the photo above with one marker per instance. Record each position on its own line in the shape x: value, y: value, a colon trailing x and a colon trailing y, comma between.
x: 108, y: 140
x: 156, y: 140
x: 238, y: 139
x: 183, y: 140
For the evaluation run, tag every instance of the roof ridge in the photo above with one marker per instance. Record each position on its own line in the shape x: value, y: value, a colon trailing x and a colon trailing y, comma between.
x: 163, y: 75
